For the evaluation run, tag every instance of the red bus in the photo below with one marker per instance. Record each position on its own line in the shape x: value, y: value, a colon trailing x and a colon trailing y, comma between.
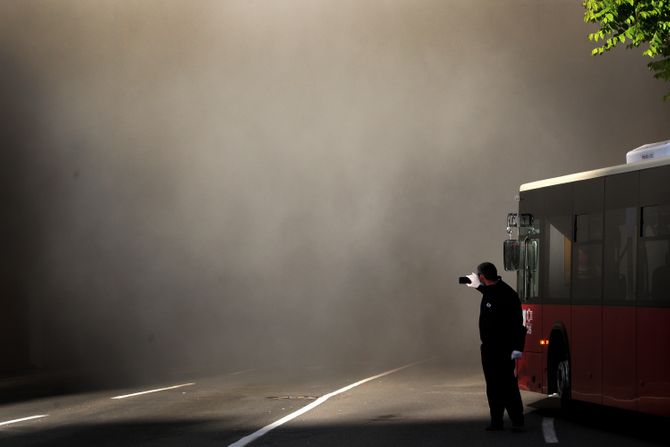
x: 592, y: 254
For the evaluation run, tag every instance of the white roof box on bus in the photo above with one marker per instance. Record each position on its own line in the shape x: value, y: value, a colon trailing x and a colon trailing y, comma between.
x: 650, y: 151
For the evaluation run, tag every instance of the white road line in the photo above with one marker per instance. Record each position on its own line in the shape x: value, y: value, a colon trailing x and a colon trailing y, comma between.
x: 14, y: 421
x: 153, y: 391
x: 548, y: 431
x: 257, y: 434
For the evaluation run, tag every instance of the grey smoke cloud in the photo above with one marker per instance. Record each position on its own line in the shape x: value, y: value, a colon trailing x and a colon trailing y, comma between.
x: 226, y: 183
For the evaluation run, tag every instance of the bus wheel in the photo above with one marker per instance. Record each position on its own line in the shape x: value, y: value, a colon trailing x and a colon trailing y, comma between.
x: 563, y: 382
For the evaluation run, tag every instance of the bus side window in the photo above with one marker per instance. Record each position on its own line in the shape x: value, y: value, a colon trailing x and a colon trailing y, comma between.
x: 559, y: 238
x: 557, y: 244
x: 655, y: 253
x: 588, y: 257
x: 620, y: 254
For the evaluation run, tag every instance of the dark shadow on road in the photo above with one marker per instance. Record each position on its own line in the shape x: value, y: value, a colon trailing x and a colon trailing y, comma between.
x: 385, y: 430
x: 144, y: 433
x: 379, y: 432
x: 201, y: 433
x: 637, y: 426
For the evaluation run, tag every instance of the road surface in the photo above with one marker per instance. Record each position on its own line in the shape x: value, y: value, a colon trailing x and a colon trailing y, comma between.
x: 428, y: 403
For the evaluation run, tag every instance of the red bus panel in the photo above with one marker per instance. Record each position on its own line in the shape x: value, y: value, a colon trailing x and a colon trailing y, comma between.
x: 586, y: 353
x: 653, y: 360
x: 619, y: 357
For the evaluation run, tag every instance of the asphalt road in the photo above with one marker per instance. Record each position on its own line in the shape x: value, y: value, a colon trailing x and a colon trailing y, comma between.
x: 425, y: 404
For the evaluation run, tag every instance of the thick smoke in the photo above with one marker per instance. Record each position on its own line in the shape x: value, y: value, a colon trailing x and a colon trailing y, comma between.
x: 226, y: 183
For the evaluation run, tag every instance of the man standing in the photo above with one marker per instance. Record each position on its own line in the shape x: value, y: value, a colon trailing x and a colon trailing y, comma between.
x: 502, y: 335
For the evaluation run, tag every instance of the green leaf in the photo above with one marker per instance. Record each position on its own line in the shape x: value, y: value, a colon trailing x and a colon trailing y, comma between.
x: 632, y: 23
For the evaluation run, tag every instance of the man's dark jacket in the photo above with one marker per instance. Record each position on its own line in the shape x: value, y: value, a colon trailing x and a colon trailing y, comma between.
x: 500, y: 320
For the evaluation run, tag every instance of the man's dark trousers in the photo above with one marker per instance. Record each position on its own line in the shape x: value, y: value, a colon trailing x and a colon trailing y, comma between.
x: 502, y: 388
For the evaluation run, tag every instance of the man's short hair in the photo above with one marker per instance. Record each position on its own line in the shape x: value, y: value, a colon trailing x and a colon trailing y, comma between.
x: 489, y: 271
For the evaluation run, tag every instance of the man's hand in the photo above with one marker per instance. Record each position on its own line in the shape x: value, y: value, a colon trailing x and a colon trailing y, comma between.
x: 516, y: 355
x: 474, y: 280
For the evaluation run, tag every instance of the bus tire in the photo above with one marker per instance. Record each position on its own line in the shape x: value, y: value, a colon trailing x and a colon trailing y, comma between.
x: 563, y: 383
x: 560, y: 375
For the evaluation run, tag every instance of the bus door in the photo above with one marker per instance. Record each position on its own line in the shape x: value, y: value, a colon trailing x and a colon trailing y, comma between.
x: 528, y: 280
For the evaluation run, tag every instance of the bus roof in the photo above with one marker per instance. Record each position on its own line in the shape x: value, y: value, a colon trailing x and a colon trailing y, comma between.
x: 620, y: 169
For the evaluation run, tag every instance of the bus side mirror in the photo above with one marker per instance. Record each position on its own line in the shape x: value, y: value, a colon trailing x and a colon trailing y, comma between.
x: 511, y: 255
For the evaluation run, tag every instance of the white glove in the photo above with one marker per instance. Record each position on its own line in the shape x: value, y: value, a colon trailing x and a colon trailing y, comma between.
x: 474, y: 280
x: 516, y: 355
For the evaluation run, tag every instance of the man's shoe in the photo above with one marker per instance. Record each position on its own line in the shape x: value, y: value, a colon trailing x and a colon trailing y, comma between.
x: 518, y: 428
x: 494, y: 427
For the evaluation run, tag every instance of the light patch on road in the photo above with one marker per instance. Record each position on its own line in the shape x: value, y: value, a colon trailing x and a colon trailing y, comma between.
x: 237, y: 373
x: 257, y: 434
x: 153, y: 391
x: 548, y: 431
x: 14, y: 421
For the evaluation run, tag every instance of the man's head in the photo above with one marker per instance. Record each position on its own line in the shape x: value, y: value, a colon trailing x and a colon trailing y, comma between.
x: 488, y: 271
